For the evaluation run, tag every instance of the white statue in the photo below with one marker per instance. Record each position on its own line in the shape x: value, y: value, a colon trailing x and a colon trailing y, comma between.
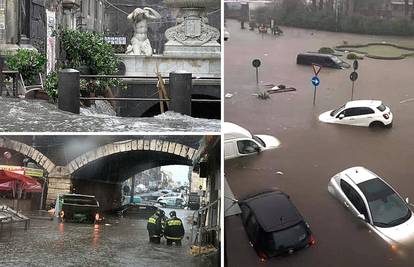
x: 140, y: 44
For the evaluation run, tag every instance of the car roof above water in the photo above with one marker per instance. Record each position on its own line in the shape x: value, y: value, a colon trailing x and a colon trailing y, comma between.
x: 273, y: 210
x: 359, y: 174
x: 363, y: 103
x: 233, y: 131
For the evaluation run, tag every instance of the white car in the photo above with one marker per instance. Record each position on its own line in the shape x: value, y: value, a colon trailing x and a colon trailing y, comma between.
x: 372, y: 113
x: 170, y: 196
x: 376, y: 204
x: 239, y: 142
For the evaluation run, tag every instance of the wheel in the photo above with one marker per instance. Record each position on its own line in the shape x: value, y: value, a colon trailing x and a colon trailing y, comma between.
x: 376, y: 124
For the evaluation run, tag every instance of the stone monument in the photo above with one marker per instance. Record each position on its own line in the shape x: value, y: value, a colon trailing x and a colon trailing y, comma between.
x: 140, y: 44
x: 192, y: 37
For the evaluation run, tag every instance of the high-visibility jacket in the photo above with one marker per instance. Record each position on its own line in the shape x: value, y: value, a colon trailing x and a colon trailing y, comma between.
x: 154, y: 225
x: 174, y: 229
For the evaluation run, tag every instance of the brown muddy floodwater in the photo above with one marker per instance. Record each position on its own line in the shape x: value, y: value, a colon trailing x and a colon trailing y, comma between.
x: 116, y: 242
x: 312, y: 152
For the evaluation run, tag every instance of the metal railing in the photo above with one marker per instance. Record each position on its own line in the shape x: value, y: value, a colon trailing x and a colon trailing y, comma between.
x: 202, y: 226
x: 179, y: 98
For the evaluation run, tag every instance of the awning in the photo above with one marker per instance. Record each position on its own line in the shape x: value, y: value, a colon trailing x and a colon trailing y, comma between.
x: 9, y: 179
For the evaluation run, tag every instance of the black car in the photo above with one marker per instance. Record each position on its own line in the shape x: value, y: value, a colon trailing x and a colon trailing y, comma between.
x: 193, y: 201
x: 324, y: 60
x: 78, y: 208
x: 274, y: 225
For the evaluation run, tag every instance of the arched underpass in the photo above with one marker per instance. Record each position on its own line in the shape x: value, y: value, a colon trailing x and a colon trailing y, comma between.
x: 103, y: 177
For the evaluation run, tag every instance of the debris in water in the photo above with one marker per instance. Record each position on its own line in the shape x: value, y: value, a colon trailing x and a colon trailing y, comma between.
x: 199, y: 250
x: 262, y: 95
x: 281, y: 88
x: 228, y: 95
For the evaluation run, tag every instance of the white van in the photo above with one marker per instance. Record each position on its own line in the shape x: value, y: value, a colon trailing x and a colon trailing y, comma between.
x: 239, y: 142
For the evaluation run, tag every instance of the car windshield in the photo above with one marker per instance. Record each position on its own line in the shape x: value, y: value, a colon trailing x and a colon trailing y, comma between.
x: 287, y: 238
x: 336, y: 59
x: 381, y: 108
x: 260, y: 141
x: 336, y: 111
x: 387, y: 208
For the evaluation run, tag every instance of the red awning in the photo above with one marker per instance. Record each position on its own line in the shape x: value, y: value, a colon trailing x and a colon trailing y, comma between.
x: 8, y: 180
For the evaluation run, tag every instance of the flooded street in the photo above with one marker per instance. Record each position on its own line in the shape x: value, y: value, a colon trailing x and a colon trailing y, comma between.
x: 116, y: 242
x: 39, y: 116
x: 312, y: 152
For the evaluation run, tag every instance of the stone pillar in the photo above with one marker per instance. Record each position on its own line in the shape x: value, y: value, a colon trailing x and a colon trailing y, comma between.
x: 180, y: 86
x: 69, y: 90
x: 12, y: 21
x: 57, y: 185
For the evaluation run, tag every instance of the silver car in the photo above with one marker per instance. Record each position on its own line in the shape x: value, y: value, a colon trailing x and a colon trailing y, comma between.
x: 375, y: 203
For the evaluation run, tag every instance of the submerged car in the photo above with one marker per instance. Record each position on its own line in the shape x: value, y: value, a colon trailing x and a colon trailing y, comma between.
x: 368, y: 113
x: 239, y: 142
x: 376, y: 204
x: 325, y: 60
x: 274, y: 225
x: 77, y: 208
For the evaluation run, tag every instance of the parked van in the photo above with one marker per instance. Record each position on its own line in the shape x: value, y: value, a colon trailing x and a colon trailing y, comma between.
x: 324, y: 60
x: 239, y: 142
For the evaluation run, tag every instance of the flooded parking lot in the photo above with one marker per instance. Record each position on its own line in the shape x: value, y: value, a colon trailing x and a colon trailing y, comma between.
x: 116, y: 242
x: 312, y: 152
x: 40, y: 116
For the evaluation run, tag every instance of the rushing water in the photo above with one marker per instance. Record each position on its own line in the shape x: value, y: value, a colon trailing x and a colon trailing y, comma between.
x: 19, y: 115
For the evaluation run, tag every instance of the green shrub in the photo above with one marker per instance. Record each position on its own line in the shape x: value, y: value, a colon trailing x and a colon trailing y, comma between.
x: 51, y: 86
x: 326, y: 50
x: 90, y: 49
x: 28, y: 62
x: 353, y: 56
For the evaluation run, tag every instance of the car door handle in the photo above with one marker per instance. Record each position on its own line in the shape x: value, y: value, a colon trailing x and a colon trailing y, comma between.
x: 346, y: 204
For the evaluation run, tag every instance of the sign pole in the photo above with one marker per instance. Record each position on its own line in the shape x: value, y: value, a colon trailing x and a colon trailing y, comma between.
x: 352, y: 94
x: 256, y: 63
x: 314, y: 94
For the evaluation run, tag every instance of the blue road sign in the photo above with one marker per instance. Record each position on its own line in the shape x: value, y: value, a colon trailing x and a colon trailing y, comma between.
x: 315, y: 81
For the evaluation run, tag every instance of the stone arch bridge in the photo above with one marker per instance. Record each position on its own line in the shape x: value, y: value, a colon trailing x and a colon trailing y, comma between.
x: 104, y: 160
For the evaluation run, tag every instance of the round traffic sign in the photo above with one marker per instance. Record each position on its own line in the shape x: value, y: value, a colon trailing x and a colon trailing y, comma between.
x: 256, y: 63
x: 315, y: 81
x: 353, y: 76
x: 355, y: 64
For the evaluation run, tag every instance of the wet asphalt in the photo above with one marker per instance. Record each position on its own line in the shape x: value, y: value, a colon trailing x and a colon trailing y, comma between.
x: 115, y: 242
x: 312, y: 152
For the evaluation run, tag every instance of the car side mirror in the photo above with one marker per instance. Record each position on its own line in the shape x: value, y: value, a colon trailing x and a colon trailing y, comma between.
x: 361, y: 217
x: 258, y: 149
x: 341, y: 116
x: 407, y: 200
